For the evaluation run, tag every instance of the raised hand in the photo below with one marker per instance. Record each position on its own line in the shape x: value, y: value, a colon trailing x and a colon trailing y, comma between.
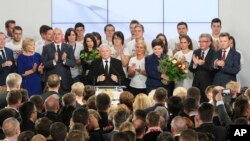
x: 64, y: 56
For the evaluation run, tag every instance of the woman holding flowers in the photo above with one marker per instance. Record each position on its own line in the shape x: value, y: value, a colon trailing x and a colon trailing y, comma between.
x: 154, y: 77
x: 185, y: 55
x: 88, y: 54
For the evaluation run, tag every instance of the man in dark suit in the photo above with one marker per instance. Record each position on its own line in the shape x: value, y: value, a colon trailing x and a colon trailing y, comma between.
x: 226, y: 62
x: 204, y: 122
x: 201, y: 63
x: 7, y: 64
x: 58, y: 57
x: 106, y: 71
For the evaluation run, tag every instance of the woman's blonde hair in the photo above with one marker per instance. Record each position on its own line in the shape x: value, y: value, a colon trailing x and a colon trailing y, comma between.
x: 127, y: 126
x: 78, y: 89
x: 26, y: 42
x: 142, y: 101
x: 180, y: 92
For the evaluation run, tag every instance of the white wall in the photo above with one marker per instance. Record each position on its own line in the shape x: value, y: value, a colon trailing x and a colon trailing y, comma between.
x: 235, y: 20
x: 31, y: 14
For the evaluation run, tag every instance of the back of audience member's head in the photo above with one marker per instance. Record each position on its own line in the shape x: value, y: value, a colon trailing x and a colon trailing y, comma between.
x: 6, y: 113
x: 247, y: 93
x: 163, y: 112
x: 190, y: 105
x: 51, y: 104
x: 175, y: 105
x: 131, y: 135
x: 178, y: 124
x: 120, y: 117
x: 81, y: 127
x: 141, y: 101
x: 234, y: 87
x: 42, y: 126
x: 11, y: 127
x: 127, y: 98
x: 102, y: 102
x: 202, y: 136
x: 91, y: 102
x: 241, y: 106
x: 241, y: 121
x: 188, y: 135
x: 95, y: 114
x: 141, y: 114
x: 181, y: 92
x: 13, y: 81
x: 53, y: 81
x: 38, y: 101
x: 127, y: 126
x: 69, y: 99
x: 205, y: 112
x: 14, y: 97
x: 161, y: 94
x: 26, y: 136
x: 81, y: 115
x: 165, y: 136
x: 120, y: 136
x: 75, y: 135
x: 58, y: 131
x: 209, y: 92
x: 89, y: 91
x: 152, y: 119
x: 25, y: 95
x: 194, y: 92
x: 28, y: 111
x: 38, y: 137
x: 78, y: 89
x: 189, y: 123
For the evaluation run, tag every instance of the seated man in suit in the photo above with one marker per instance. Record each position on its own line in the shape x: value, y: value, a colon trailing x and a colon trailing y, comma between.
x: 106, y: 71
x: 7, y: 64
x: 58, y: 57
x: 226, y: 62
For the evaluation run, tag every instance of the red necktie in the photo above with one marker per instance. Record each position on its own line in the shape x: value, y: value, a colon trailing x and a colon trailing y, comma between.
x: 224, y: 55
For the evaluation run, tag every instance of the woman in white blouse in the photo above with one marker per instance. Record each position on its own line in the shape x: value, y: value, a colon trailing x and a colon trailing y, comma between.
x: 136, y: 69
x: 185, y: 54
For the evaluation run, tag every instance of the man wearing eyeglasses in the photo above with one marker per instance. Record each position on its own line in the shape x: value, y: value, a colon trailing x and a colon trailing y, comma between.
x: 201, y: 63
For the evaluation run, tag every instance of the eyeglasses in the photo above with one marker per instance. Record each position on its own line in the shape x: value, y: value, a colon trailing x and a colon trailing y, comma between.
x: 203, y: 41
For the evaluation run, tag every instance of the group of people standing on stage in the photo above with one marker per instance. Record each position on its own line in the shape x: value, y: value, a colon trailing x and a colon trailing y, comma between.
x: 114, y: 60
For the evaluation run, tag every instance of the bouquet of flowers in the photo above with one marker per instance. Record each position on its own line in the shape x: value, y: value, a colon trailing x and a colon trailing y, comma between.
x: 89, y: 56
x: 174, y: 69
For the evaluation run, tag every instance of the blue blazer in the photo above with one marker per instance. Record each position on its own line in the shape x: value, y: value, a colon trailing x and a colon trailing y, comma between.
x: 4, y: 71
x: 153, y: 75
x: 61, y: 69
x: 228, y: 72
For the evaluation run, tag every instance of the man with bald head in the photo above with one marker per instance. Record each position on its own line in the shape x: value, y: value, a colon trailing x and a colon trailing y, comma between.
x: 106, y: 71
x: 58, y: 57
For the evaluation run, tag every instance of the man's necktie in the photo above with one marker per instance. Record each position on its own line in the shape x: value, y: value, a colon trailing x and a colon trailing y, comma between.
x: 3, y: 55
x: 224, y: 55
x: 106, y: 68
x: 59, y: 53
x: 203, y: 55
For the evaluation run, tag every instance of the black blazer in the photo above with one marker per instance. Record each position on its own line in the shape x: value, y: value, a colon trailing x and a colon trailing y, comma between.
x: 204, y: 74
x: 229, y: 71
x: 219, y: 132
x: 61, y: 69
x: 115, y: 68
x: 4, y: 71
